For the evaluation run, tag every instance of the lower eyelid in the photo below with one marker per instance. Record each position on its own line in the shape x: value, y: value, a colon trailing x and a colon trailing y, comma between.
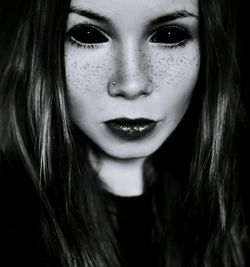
x: 172, y: 46
x: 84, y: 45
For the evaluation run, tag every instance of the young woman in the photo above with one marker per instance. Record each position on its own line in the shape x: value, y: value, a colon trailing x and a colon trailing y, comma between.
x: 118, y: 132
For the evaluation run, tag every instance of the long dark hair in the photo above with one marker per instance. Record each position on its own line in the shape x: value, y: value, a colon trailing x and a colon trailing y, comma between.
x: 198, y: 220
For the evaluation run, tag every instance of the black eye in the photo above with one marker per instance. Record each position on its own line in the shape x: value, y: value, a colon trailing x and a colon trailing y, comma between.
x: 86, y: 34
x: 172, y: 35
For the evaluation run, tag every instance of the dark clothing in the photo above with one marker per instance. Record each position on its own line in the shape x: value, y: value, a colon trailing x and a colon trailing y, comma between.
x: 21, y: 235
x: 134, y: 219
x: 20, y: 231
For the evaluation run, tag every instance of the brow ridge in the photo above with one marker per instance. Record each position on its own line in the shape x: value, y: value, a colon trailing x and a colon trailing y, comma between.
x: 90, y: 14
x: 164, y: 18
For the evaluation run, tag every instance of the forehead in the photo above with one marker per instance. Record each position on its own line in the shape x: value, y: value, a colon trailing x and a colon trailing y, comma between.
x: 129, y: 10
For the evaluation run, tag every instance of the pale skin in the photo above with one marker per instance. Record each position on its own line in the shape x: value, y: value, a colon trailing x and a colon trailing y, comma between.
x: 155, y: 73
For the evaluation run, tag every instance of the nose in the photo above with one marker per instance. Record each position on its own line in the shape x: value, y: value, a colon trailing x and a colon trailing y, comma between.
x: 131, y: 79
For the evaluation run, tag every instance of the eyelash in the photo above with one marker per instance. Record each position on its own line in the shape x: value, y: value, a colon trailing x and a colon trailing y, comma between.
x: 185, y: 33
x: 82, y: 45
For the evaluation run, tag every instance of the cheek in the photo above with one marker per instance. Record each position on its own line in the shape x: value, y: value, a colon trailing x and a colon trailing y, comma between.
x: 87, y: 73
x: 174, y: 76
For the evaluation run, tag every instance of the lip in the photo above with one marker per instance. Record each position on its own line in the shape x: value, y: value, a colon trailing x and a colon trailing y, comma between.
x: 131, y: 129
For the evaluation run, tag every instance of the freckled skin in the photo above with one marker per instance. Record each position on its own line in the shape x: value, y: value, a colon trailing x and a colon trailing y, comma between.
x: 152, y: 81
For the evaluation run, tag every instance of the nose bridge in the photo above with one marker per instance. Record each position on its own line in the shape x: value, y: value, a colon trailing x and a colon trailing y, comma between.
x: 131, y: 61
x: 131, y: 74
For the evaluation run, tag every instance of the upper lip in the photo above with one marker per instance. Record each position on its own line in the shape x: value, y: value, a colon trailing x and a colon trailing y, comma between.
x: 130, y: 121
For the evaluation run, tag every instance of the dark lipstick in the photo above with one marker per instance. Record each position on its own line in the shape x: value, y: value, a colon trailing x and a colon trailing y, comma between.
x: 131, y: 129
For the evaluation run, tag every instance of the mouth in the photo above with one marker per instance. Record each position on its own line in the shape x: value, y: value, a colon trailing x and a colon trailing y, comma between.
x: 131, y: 129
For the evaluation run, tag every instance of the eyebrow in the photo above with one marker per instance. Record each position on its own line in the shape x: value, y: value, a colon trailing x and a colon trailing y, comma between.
x: 173, y: 16
x: 90, y: 14
x: 164, y: 18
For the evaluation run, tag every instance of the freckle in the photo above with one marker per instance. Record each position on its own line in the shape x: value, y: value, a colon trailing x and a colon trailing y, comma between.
x: 171, y: 58
x: 74, y: 65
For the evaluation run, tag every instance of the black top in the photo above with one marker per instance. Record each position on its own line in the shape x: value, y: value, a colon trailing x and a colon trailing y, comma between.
x: 21, y: 242
x: 20, y: 231
x: 20, y: 236
x: 134, y: 219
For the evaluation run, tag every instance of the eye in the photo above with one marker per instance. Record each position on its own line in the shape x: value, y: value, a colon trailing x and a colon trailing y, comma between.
x: 172, y: 36
x: 83, y: 35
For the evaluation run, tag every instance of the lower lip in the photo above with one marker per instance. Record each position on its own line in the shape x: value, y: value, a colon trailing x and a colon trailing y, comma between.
x: 131, y: 131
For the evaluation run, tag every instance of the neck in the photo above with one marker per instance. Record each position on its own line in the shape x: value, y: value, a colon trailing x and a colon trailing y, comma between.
x: 122, y: 177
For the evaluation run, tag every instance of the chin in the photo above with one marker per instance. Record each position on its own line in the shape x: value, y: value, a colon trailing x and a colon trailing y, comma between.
x: 130, y: 151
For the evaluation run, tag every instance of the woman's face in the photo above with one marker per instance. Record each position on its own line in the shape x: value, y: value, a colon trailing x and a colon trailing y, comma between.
x: 131, y: 68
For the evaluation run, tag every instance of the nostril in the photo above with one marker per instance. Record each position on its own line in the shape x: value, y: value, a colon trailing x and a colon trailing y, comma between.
x: 130, y: 86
